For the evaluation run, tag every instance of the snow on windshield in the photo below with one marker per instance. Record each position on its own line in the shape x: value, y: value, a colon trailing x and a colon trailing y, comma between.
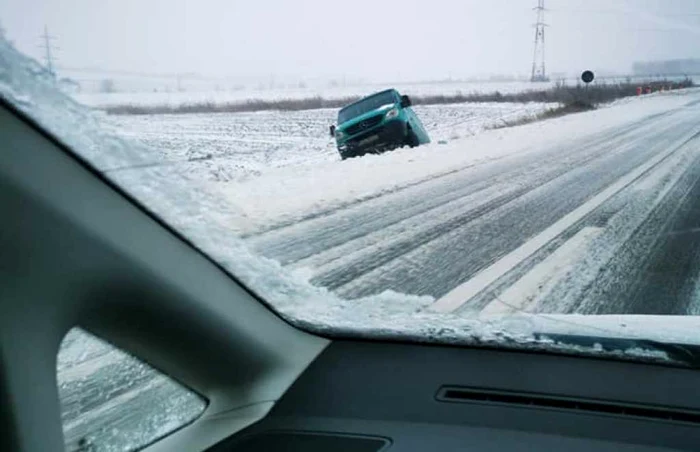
x: 370, y: 246
x: 113, y: 402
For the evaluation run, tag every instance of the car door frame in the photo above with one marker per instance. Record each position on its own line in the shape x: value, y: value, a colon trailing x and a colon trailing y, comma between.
x: 78, y: 251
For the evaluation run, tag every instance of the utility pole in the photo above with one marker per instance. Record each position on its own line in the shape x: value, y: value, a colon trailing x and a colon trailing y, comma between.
x: 538, y: 68
x: 48, y: 48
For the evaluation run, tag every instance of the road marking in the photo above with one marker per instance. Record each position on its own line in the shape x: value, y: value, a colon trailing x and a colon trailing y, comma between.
x: 463, y: 293
x: 535, y: 284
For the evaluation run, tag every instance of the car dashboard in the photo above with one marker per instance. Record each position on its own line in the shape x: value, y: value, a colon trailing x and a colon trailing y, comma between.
x: 371, y: 397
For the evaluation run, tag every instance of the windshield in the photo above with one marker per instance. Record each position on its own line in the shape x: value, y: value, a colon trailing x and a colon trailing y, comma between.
x: 537, y: 188
x: 368, y: 104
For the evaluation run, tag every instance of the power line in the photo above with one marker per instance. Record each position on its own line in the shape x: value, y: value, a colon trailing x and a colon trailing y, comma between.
x: 539, y: 73
x: 49, y: 49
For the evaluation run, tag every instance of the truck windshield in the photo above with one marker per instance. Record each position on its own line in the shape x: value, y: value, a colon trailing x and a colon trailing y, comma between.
x: 367, y: 104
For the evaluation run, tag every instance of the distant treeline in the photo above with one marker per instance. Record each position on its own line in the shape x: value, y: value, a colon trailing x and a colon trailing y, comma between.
x: 560, y: 93
x: 679, y: 66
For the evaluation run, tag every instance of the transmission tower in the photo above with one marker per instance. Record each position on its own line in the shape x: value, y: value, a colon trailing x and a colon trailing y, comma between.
x: 538, y: 69
x: 46, y: 39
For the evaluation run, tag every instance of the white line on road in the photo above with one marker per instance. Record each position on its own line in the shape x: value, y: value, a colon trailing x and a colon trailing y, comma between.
x: 463, y: 293
x: 530, y: 288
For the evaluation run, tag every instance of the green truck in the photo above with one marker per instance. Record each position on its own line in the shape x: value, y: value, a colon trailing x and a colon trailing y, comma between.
x: 377, y: 123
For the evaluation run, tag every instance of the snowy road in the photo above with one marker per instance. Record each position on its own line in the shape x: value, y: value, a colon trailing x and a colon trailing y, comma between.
x: 434, y: 236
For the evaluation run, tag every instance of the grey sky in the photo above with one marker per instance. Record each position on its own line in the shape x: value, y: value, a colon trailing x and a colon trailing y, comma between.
x: 373, y: 39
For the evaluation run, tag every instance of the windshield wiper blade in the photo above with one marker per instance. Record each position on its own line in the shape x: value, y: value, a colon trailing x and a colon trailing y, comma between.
x: 685, y: 354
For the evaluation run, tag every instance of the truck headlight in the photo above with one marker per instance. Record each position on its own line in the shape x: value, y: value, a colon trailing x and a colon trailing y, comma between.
x: 394, y: 112
x: 339, y: 134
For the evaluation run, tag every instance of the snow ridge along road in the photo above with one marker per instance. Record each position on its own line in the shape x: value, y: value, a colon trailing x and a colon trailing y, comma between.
x: 484, y: 223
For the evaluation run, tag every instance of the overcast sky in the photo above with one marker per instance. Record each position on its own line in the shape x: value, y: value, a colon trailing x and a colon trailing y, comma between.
x: 378, y: 40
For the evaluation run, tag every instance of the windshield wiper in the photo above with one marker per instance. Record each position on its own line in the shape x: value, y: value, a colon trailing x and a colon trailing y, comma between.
x: 685, y: 354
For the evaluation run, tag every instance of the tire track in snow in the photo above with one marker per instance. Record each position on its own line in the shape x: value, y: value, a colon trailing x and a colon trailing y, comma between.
x: 655, y: 270
x: 484, y: 280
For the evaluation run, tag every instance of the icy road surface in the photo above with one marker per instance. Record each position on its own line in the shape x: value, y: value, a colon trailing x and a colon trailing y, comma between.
x: 582, y: 219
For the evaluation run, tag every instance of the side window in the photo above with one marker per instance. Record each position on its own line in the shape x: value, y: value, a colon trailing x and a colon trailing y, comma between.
x: 110, y: 401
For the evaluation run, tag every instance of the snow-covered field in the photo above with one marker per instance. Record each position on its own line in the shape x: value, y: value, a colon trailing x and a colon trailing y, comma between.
x: 234, y: 146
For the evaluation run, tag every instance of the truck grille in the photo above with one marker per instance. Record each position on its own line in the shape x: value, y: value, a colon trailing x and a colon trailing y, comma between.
x: 364, y: 125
